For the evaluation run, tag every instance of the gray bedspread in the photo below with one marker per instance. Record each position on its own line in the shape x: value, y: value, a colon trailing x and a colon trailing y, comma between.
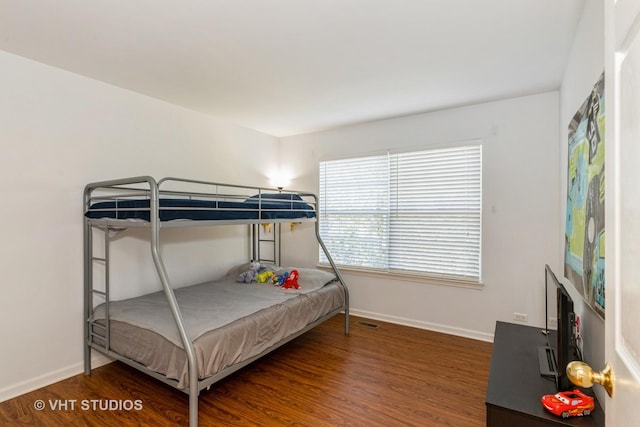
x: 229, y: 322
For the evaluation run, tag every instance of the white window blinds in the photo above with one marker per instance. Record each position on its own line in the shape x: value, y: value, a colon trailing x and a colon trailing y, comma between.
x: 414, y: 212
x: 354, y: 207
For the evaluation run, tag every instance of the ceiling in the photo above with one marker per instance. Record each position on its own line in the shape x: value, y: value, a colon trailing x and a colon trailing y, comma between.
x: 286, y: 67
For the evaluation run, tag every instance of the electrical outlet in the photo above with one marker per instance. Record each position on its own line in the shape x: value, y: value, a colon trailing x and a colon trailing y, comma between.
x: 520, y: 317
x: 553, y: 323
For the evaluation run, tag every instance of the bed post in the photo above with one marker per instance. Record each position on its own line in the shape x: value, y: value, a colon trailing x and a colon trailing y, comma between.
x: 335, y: 270
x: 154, y: 215
x: 88, y: 277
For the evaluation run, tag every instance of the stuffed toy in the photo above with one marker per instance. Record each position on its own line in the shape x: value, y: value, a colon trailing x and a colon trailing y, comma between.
x: 264, y: 276
x: 279, y: 279
x: 291, y: 282
x: 250, y: 275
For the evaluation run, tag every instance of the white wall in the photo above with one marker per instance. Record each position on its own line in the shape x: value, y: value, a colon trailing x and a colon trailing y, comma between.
x: 585, y: 64
x: 58, y: 132
x: 520, y: 210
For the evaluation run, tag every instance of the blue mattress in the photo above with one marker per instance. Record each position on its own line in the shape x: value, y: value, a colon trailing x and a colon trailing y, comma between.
x: 265, y: 206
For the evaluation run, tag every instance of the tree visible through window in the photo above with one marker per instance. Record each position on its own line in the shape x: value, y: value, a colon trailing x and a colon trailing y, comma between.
x: 413, y: 212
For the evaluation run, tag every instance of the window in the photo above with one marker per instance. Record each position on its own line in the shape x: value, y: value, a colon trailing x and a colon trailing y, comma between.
x: 412, y: 212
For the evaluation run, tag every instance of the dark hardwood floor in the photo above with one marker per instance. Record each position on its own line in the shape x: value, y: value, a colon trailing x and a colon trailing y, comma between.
x: 390, y: 376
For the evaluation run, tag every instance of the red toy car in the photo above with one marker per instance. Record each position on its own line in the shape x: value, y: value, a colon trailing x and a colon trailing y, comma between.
x: 568, y: 403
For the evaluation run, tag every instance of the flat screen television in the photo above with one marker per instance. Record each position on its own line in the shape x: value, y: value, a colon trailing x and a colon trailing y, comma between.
x: 561, y: 341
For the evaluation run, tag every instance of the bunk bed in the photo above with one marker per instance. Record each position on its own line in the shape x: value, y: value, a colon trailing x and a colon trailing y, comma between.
x: 193, y: 336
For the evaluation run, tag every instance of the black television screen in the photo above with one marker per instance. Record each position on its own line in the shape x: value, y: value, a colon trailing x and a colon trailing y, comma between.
x: 560, y: 332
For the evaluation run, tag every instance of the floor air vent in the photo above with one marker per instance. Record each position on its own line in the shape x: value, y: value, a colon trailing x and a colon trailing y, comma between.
x: 367, y: 325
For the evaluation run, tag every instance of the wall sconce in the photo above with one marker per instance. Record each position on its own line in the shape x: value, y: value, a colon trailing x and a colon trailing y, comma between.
x: 279, y: 179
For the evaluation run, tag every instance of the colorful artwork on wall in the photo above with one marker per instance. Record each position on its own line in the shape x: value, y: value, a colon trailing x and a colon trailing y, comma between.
x: 584, y: 230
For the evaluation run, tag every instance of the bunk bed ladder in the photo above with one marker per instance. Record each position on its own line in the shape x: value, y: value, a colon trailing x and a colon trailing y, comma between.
x: 99, y: 334
x: 271, y: 242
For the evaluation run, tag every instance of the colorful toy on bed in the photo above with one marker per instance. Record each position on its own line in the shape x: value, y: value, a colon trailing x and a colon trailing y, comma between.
x: 255, y: 268
x: 264, y: 276
x: 279, y: 279
x: 291, y: 282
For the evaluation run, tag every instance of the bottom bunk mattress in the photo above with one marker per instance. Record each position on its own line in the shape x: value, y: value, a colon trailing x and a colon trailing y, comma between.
x: 228, y: 322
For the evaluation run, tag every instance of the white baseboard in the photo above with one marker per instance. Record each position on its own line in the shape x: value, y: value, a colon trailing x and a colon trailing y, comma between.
x: 31, y: 384
x: 466, y: 333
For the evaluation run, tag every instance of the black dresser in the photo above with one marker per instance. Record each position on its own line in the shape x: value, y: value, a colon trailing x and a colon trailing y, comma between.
x: 515, y: 385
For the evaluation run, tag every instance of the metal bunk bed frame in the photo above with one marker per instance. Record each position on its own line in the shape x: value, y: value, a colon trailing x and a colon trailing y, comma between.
x: 98, y: 336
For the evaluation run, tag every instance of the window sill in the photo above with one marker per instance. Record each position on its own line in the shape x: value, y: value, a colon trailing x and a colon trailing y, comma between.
x: 419, y: 278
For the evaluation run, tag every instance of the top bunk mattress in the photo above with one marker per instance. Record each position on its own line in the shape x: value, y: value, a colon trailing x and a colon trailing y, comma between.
x: 263, y: 206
